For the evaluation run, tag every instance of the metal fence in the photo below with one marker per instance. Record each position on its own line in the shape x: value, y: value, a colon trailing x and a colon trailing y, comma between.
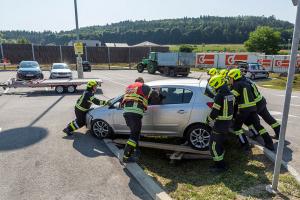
x: 15, y: 53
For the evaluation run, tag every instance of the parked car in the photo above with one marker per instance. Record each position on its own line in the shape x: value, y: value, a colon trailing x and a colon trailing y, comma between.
x: 253, y: 70
x: 60, y: 70
x: 29, y: 70
x: 86, y: 66
x: 181, y: 112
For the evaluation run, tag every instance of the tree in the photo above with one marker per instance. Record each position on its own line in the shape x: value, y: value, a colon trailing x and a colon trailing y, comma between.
x: 23, y: 40
x: 186, y: 48
x: 264, y: 39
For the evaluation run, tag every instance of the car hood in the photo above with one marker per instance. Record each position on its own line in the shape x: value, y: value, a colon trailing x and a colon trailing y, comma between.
x: 29, y: 70
x: 99, y: 111
x: 60, y: 71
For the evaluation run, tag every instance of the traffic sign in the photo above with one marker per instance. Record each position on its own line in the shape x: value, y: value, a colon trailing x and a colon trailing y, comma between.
x: 78, y: 48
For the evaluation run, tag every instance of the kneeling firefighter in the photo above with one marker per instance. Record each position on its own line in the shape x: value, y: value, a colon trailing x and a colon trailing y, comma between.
x: 135, y: 103
x: 221, y: 114
x: 82, y: 106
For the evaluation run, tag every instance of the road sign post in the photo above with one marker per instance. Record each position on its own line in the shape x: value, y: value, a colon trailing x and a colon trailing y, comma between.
x: 78, y: 48
x: 273, y: 188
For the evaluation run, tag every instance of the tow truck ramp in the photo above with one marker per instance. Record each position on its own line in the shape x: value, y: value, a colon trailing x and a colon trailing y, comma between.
x: 60, y: 85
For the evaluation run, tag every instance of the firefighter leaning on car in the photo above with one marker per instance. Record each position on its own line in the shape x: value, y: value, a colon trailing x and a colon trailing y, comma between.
x: 82, y: 106
x: 135, y: 103
x: 263, y: 112
x: 247, y: 110
x: 221, y: 114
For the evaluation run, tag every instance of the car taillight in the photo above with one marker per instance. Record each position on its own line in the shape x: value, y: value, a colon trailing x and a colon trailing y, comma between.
x: 210, y: 104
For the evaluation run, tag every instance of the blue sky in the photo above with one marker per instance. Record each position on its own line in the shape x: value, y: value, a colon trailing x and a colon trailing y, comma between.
x: 56, y: 15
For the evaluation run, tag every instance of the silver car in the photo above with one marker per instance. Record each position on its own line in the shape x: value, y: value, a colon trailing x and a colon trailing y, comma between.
x: 60, y: 70
x: 181, y: 112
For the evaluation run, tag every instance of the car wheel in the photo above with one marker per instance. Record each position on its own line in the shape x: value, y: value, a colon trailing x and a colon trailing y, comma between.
x: 59, y: 89
x: 252, y: 77
x: 101, y: 129
x: 140, y: 68
x: 71, y: 88
x: 198, y: 137
x: 172, y: 73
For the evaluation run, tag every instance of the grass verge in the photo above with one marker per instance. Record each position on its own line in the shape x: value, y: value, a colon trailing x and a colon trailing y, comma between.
x: 247, y: 177
x: 277, y: 82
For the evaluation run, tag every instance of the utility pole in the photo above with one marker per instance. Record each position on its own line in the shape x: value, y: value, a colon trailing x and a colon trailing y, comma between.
x: 79, y: 59
x: 288, y: 92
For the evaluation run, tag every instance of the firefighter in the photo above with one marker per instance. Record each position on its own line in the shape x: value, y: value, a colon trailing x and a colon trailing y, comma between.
x: 82, y: 106
x: 224, y: 73
x: 263, y: 111
x: 135, y: 103
x: 221, y: 114
x: 247, y: 110
x: 208, y: 92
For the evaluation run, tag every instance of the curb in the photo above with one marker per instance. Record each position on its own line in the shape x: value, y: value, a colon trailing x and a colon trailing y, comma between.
x: 272, y: 156
x: 154, y: 190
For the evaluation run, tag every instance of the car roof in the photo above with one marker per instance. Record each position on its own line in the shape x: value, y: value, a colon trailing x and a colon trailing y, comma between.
x: 179, y: 82
x: 59, y: 64
x: 28, y: 61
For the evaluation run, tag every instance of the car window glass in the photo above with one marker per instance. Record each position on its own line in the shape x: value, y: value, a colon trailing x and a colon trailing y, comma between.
x: 29, y: 65
x: 175, y: 95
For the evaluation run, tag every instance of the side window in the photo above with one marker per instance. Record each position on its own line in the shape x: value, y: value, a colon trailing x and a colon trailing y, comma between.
x: 175, y: 95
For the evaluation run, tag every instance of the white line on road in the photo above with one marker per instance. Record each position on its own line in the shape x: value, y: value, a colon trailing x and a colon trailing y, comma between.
x: 281, y: 95
x: 280, y: 113
x: 295, y: 105
x: 98, y: 151
x: 116, y: 82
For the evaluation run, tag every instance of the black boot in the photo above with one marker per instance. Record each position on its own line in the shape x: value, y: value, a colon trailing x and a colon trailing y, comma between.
x: 67, y: 131
x: 268, y: 141
x: 218, y: 167
x: 128, y: 151
x: 244, y: 143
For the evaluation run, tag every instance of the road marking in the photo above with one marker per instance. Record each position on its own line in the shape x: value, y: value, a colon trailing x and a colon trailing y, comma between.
x: 281, y: 95
x: 98, y: 151
x: 280, y: 113
x: 295, y: 105
x: 116, y: 82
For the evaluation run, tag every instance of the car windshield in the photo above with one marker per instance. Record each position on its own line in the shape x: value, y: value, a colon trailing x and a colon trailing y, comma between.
x: 60, y: 67
x: 255, y: 67
x: 29, y: 65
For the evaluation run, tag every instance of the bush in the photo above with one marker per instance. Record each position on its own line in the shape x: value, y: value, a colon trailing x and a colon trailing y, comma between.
x: 186, y: 48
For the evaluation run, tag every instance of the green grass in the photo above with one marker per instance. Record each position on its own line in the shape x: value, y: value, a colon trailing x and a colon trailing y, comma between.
x: 246, y: 179
x: 277, y: 82
x: 213, y: 47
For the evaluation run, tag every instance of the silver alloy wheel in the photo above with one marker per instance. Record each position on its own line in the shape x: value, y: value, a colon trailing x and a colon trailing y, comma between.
x: 199, y: 138
x: 101, y: 129
x: 59, y: 89
x: 71, y: 88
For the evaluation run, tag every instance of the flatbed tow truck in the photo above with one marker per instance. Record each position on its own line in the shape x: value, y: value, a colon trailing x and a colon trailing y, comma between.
x: 60, y: 85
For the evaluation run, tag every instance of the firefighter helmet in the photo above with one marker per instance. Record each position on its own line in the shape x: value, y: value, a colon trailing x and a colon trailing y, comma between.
x: 91, y: 84
x: 216, y: 81
x: 223, y: 73
x: 235, y: 74
x: 212, y: 72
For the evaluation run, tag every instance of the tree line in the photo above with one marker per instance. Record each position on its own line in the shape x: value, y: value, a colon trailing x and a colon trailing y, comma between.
x: 204, y: 29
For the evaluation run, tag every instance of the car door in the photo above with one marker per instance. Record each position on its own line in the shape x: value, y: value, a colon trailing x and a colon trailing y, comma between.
x: 173, y: 113
x: 119, y: 123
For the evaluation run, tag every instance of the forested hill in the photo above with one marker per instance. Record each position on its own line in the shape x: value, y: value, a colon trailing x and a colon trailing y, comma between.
x: 205, y: 29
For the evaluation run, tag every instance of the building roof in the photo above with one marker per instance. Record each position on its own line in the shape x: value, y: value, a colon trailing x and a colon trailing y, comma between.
x: 147, y: 44
x: 116, y: 44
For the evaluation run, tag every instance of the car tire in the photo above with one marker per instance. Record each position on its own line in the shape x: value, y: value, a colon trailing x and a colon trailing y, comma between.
x: 140, y: 68
x: 101, y: 129
x: 198, y: 136
x: 172, y: 73
x: 166, y: 71
x: 71, y: 88
x: 59, y: 89
x: 252, y: 77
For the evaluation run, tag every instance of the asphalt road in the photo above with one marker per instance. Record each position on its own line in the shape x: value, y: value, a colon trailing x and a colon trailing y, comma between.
x: 39, y: 162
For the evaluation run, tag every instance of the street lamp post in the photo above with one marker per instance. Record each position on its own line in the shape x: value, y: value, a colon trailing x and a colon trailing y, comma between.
x: 78, y: 59
x: 288, y: 92
x: 289, y: 41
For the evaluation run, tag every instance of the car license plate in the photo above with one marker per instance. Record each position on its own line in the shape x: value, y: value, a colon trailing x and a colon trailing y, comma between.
x: 29, y: 75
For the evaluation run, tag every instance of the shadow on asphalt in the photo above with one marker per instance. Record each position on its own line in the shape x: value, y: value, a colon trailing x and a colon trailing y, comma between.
x: 19, y: 138
x: 88, y: 145
x: 136, y: 188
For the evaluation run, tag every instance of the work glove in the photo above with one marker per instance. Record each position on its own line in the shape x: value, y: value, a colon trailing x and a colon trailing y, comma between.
x: 210, y: 122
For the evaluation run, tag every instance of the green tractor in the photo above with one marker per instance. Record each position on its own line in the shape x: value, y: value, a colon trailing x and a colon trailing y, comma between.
x: 149, y: 63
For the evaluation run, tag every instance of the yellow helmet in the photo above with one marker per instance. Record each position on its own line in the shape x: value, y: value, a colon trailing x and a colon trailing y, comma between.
x: 212, y: 72
x: 235, y: 74
x: 216, y: 81
x: 223, y: 73
x: 91, y: 84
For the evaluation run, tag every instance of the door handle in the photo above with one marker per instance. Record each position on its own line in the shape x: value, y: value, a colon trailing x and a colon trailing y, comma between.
x: 181, y: 111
